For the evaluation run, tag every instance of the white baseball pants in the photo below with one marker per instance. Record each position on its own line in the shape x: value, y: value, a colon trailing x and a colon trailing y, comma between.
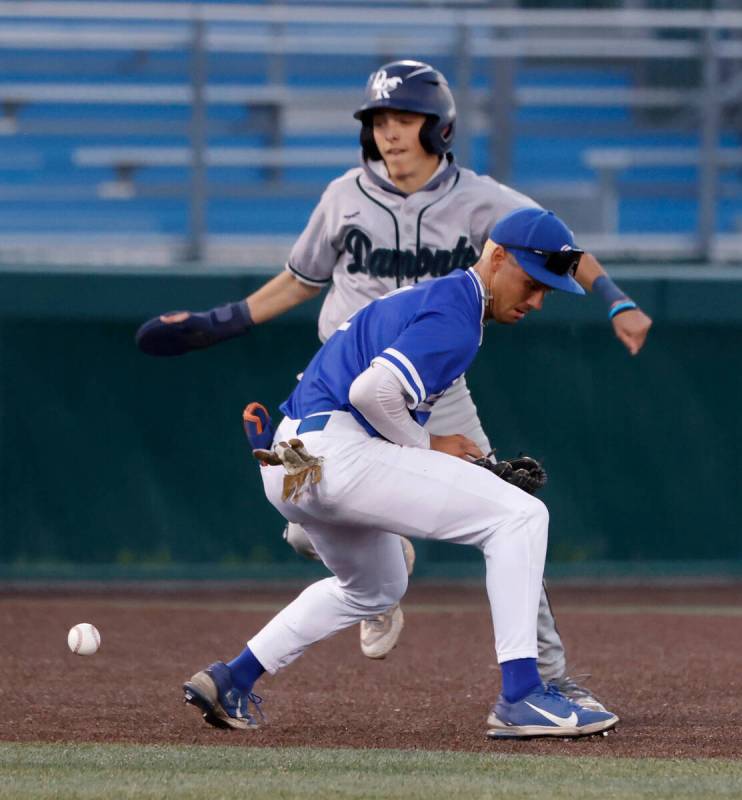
x: 455, y: 412
x: 372, y: 490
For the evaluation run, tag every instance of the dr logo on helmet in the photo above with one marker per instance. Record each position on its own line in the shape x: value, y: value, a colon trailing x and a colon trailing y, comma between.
x: 382, y: 85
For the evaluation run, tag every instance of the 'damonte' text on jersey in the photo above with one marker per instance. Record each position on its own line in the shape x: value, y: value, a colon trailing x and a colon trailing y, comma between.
x: 366, y: 238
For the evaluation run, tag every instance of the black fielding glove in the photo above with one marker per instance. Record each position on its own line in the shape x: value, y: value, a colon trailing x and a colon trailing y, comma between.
x: 524, y: 472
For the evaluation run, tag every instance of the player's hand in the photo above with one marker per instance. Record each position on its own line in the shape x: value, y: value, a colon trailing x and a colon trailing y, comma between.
x: 632, y: 327
x: 456, y: 445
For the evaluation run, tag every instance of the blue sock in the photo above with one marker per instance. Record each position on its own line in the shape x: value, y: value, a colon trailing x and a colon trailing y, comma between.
x: 245, y: 669
x: 519, y: 678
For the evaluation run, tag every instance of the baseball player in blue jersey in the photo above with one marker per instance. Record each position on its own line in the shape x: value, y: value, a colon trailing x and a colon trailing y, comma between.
x: 408, y: 214
x: 365, y: 470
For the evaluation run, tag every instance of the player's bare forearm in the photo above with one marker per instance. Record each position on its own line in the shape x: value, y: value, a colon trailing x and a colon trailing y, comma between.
x: 630, y: 324
x: 277, y: 296
x: 589, y: 269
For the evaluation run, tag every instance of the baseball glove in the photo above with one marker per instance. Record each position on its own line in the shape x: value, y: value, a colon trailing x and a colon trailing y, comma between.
x: 302, y: 468
x: 524, y: 472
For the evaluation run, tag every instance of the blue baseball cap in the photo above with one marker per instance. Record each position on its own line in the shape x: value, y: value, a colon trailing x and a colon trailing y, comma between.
x: 542, y: 245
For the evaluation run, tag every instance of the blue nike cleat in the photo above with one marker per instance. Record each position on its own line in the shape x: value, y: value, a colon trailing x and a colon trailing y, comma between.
x: 220, y: 702
x: 546, y: 712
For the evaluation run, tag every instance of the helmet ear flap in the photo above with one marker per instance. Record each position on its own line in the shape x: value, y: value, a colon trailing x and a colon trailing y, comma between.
x: 434, y: 138
x: 426, y: 134
x: 447, y: 134
x: 368, y: 143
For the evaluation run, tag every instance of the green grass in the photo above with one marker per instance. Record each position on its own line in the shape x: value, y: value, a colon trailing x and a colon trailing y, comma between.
x: 46, y: 771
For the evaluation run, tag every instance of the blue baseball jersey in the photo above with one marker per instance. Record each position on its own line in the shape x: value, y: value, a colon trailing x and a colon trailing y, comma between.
x: 427, y: 335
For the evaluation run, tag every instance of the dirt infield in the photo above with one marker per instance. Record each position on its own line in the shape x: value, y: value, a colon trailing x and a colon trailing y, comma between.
x: 666, y: 660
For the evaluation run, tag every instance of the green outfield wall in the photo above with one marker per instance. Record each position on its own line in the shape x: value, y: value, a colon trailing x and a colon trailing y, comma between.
x: 113, y: 458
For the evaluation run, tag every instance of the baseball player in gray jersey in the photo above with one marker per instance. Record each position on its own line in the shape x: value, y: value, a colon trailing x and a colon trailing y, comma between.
x: 409, y: 213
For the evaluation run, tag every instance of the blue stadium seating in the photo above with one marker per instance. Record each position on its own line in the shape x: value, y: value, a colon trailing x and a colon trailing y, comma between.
x: 39, y: 161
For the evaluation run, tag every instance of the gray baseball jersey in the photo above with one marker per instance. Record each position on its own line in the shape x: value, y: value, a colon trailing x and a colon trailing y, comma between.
x: 367, y: 237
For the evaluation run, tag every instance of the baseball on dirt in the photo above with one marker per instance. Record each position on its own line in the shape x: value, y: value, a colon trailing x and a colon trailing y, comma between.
x: 84, y: 639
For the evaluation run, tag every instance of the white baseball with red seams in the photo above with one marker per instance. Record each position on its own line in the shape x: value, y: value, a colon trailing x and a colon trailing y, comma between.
x: 83, y: 639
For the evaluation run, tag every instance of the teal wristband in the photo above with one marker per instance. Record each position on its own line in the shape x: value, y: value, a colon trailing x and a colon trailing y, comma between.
x: 626, y: 305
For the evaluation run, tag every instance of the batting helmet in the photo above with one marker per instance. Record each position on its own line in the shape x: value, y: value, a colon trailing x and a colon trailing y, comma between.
x: 410, y: 86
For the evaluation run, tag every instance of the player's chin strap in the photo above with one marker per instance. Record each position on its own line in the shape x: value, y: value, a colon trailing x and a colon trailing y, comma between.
x: 302, y: 468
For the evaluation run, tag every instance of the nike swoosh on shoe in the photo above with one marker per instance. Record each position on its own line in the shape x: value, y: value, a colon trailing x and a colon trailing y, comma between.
x: 562, y: 722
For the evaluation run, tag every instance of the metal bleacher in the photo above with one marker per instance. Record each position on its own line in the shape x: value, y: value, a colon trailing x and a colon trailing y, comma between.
x: 152, y: 132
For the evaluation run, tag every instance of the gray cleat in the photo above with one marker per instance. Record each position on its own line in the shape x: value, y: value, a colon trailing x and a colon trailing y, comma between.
x: 570, y: 688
